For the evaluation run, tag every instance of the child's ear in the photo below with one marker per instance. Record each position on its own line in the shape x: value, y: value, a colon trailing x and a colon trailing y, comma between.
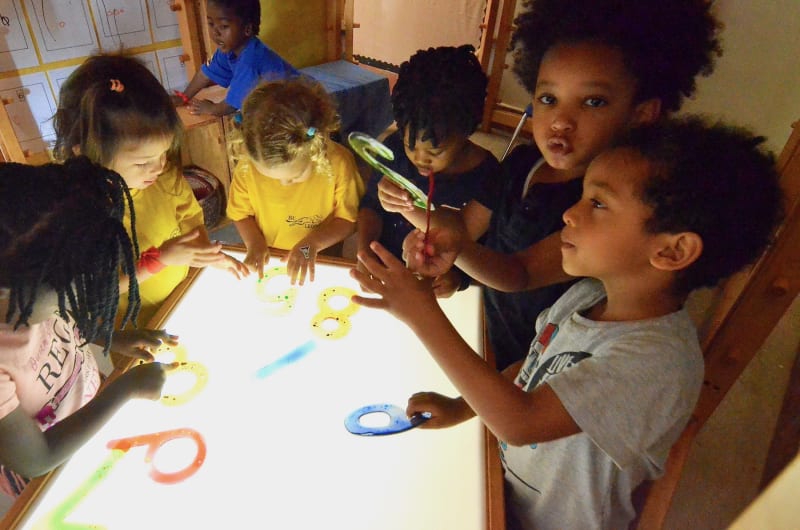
x: 248, y: 30
x: 677, y: 251
x: 647, y: 111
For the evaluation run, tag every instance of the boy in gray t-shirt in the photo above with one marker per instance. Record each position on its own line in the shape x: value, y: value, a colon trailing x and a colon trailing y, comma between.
x: 615, y: 369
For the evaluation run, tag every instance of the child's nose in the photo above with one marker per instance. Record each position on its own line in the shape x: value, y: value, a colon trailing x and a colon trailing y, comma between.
x: 562, y: 122
x: 421, y: 158
x: 569, y: 215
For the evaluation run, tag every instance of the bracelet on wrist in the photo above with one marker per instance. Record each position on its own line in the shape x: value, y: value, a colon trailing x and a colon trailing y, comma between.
x: 149, y: 260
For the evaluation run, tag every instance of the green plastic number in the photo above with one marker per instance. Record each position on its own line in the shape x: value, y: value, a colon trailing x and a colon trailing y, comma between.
x: 366, y: 147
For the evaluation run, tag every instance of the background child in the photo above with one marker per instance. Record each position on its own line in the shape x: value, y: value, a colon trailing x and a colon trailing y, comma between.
x: 113, y: 110
x: 594, y: 68
x: 241, y: 60
x: 573, y: 441
x: 437, y: 104
x: 62, y: 244
x: 295, y: 188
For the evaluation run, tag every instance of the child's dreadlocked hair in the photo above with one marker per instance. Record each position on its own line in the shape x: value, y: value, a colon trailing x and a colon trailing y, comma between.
x: 96, y: 115
x: 284, y: 119
x: 665, y: 44
x: 249, y: 11
x: 439, y: 92
x: 61, y: 229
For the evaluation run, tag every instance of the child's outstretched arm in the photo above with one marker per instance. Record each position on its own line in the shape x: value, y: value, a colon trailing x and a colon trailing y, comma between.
x: 513, y: 415
x: 257, y: 249
x: 369, y: 227
x: 198, y: 83
x: 31, y: 452
x: 446, y: 411
x: 536, y: 266
x: 186, y: 249
x: 301, y: 258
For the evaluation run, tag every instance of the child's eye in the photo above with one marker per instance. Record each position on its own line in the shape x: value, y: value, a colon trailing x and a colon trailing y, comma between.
x: 546, y: 99
x: 596, y: 102
x: 597, y: 204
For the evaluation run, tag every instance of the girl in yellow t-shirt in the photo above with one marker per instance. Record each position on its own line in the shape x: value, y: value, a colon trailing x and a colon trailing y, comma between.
x: 294, y: 188
x: 113, y: 110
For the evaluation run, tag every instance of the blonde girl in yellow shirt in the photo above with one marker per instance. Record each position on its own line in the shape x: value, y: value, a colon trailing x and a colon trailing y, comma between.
x: 113, y: 110
x: 293, y: 188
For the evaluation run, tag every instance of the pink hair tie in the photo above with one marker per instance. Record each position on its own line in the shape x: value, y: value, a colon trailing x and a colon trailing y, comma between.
x: 117, y: 86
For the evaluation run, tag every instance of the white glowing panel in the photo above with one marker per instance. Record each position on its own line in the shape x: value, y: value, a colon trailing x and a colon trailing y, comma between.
x: 277, y: 454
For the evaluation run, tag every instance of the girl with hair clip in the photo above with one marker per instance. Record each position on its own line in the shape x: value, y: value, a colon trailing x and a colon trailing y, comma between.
x: 113, y: 110
x: 294, y: 188
x: 62, y: 245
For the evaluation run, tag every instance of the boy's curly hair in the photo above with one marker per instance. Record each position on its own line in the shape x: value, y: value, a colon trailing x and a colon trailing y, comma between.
x: 249, y: 11
x: 715, y: 180
x: 61, y: 229
x: 284, y: 119
x: 439, y: 92
x: 665, y: 44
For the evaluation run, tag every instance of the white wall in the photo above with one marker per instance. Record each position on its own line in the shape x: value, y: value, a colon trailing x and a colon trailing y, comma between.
x: 756, y: 82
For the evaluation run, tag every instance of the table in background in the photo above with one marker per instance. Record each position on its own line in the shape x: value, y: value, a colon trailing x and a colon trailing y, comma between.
x: 278, y: 454
x: 363, y: 97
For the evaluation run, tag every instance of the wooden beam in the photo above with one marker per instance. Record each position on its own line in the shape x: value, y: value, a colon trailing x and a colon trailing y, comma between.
x: 498, y: 61
x: 484, y: 51
x: 12, y: 150
x: 189, y: 26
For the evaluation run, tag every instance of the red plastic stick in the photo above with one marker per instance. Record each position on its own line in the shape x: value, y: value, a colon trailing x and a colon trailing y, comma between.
x: 428, y: 212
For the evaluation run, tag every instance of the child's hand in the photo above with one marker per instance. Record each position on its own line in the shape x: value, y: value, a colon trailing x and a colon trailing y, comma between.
x: 402, y: 293
x: 300, y: 262
x: 186, y: 250
x: 142, y: 381
x: 394, y: 198
x: 445, y: 411
x: 257, y: 256
x: 446, y: 284
x: 437, y: 256
x: 232, y: 265
x: 201, y: 106
x: 141, y: 343
x: 177, y: 100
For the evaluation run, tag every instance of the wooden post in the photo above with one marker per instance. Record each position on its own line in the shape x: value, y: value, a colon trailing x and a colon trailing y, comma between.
x: 12, y: 150
x: 188, y: 25
x: 498, y: 62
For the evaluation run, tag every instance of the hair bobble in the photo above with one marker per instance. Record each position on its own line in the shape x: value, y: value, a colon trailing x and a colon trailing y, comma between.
x: 117, y: 86
x: 311, y: 131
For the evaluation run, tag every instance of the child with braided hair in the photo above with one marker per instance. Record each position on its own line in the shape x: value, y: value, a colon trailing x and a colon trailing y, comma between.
x: 294, y: 188
x: 113, y: 110
x: 62, y: 245
x: 437, y: 104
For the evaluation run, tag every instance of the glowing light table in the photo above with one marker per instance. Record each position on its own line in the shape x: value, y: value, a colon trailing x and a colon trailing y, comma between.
x: 262, y: 443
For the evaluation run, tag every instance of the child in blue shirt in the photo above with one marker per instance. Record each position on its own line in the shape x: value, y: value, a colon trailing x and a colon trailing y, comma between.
x: 241, y: 60
x: 437, y: 103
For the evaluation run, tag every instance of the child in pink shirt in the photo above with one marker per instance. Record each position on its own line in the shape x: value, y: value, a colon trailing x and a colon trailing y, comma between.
x: 62, y: 248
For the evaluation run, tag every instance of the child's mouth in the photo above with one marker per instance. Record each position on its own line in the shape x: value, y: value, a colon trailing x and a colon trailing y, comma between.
x: 559, y: 146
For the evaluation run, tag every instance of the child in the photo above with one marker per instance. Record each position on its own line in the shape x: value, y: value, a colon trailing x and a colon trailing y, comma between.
x: 437, y: 104
x: 595, y: 68
x: 62, y: 244
x: 240, y: 61
x: 295, y: 188
x: 114, y: 111
x: 615, y: 368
